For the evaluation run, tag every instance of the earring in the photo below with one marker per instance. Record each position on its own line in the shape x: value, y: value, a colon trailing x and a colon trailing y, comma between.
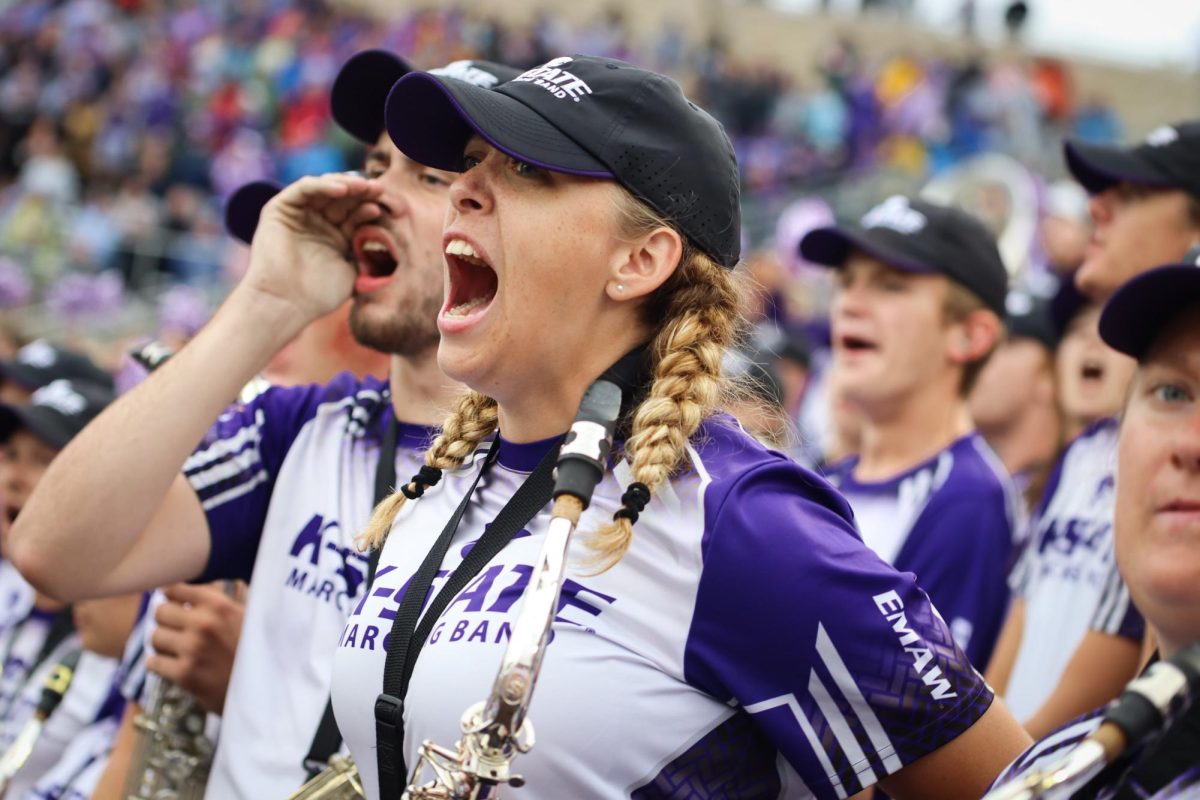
x: 620, y: 287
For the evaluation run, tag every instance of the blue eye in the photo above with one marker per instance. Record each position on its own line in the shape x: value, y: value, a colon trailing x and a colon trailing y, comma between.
x: 469, y: 161
x: 1171, y: 393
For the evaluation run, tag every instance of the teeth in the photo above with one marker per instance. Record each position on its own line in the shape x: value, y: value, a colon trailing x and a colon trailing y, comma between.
x: 457, y: 247
x: 373, y: 246
x: 463, y: 309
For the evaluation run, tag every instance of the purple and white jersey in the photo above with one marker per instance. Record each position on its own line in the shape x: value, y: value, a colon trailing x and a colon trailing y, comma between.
x: 1067, y: 574
x: 75, y: 775
x: 287, y: 481
x: 90, y: 697
x: 23, y: 674
x: 950, y: 521
x: 748, y: 644
x: 131, y: 672
x: 16, y: 596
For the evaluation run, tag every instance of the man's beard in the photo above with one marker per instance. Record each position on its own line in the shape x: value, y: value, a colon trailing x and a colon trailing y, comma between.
x: 409, y: 331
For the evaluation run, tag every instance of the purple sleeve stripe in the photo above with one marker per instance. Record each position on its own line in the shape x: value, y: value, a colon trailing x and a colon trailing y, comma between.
x: 1053, y: 743
x: 1116, y: 614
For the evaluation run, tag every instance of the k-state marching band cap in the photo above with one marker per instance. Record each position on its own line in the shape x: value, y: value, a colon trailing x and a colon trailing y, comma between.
x: 593, y: 117
x: 1169, y: 157
x: 357, y: 102
x: 914, y: 235
x: 1145, y: 305
x: 56, y: 412
x: 39, y: 362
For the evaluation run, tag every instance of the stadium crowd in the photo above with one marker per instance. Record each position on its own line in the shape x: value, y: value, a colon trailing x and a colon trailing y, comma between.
x: 989, y: 433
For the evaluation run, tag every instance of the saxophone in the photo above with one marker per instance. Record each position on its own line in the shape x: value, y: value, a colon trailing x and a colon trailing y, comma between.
x: 496, y: 730
x: 53, y: 690
x: 173, y: 754
x: 338, y: 781
x: 1147, y: 708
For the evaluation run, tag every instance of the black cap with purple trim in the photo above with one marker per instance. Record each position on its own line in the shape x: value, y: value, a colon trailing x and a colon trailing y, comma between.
x: 914, y: 235
x: 589, y: 116
x: 1145, y: 305
x: 357, y: 103
x: 1169, y: 158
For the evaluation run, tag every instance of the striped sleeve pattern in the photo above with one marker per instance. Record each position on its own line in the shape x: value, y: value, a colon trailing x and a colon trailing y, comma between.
x: 1115, y: 613
x: 1050, y: 748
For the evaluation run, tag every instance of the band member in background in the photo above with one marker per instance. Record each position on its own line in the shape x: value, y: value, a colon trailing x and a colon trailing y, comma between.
x: 917, y: 314
x: 1146, y: 211
x: 277, y: 489
x: 720, y: 607
x: 33, y: 434
x: 1154, y: 318
x: 1015, y: 404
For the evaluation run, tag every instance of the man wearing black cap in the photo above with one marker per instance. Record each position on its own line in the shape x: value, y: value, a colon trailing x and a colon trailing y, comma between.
x: 922, y: 292
x: 1014, y: 402
x: 33, y: 433
x: 1155, y: 319
x: 1145, y: 206
x: 280, y: 486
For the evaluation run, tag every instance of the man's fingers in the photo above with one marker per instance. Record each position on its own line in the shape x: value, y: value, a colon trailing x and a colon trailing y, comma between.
x: 171, y: 616
x: 166, y: 667
x: 168, y: 642
x: 191, y: 594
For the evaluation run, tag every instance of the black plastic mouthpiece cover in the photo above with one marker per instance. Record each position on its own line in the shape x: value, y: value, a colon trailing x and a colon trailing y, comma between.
x: 583, y: 457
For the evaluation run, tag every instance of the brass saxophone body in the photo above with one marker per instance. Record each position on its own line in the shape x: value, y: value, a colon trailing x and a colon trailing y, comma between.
x: 174, y: 754
x: 338, y: 781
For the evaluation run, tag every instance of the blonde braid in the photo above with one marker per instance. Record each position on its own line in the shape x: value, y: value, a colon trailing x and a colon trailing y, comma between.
x: 701, y: 319
x: 472, y: 420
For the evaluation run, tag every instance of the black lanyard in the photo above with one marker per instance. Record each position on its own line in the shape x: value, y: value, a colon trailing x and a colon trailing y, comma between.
x: 328, y: 739
x: 407, y: 636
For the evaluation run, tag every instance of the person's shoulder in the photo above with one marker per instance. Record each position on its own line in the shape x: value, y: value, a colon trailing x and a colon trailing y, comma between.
x: 975, y: 473
x: 732, y: 464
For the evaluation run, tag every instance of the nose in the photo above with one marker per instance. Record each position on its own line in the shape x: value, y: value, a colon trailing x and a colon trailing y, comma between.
x: 392, y: 201
x: 1185, y: 446
x: 470, y: 192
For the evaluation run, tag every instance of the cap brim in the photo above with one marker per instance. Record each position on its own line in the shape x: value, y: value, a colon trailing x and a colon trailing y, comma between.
x: 831, y: 246
x: 431, y: 118
x: 245, y: 207
x: 14, y: 418
x: 1097, y: 167
x: 20, y: 374
x: 1139, y: 311
x: 361, y: 89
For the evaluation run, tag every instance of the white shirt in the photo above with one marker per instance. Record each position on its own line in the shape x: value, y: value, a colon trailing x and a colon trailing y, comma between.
x: 742, y: 647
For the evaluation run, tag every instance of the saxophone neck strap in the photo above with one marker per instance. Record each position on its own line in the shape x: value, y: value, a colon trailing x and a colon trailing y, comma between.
x: 410, y: 629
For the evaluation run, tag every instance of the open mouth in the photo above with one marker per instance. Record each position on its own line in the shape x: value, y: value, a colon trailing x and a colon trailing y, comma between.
x: 375, y: 253
x: 1092, y: 370
x: 473, y: 282
x: 856, y: 344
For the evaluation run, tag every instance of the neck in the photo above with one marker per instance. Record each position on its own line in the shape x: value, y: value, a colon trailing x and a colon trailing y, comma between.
x: 421, y: 394
x: 909, y: 435
x: 1028, y: 441
x: 540, y: 414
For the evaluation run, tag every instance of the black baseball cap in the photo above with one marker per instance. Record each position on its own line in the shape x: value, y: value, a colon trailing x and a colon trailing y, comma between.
x: 1169, y: 157
x: 56, y: 412
x: 1145, y: 305
x: 589, y: 116
x: 357, y: 102
x: 1029, y: 317
x: 39, y: 362
x: 914, y: 235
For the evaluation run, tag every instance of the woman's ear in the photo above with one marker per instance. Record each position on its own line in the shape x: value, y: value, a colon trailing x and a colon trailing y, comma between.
x: 975, y: 336
x: 642, y: 266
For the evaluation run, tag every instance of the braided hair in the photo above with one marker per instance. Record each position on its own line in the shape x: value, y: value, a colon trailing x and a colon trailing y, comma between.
x: 695, y: 317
